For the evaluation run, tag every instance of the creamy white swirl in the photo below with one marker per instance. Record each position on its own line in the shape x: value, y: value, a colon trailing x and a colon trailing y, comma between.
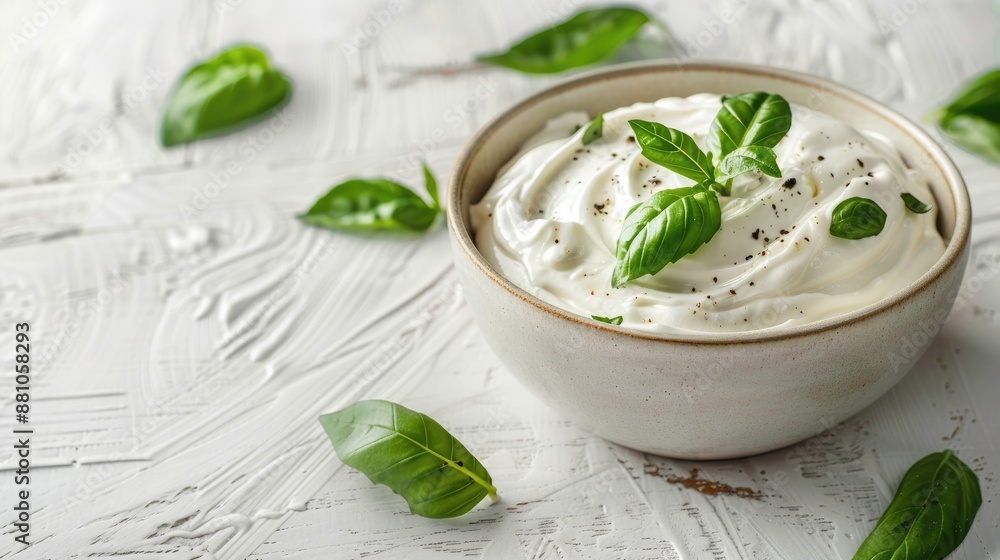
x: 551, y: 220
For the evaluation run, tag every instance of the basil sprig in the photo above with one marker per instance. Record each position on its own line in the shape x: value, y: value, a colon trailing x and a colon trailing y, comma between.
x: 375, y: 206
x: 674, y: 223
x: 671, y: 224
x: 586, y: 38
x: 222, y: 94
x: 913, y: 204
x: 931, y: 513
x: 744, y: 132
x: 972, y: 119
x: 411, y: 454
x: 857, y: 218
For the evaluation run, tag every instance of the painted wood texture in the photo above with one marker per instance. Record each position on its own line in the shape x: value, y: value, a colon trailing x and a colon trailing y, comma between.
x: 188, y: 331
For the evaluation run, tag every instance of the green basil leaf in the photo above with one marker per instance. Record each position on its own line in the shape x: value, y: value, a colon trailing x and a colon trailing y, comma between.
x: 980, y: 96
x: 746, y: 159
x: 930, y: 514
x: 913, y: 204
x: 411, y: 454
x: 371, y: 206
x: 595, y: 130
x: 609, y: 320
x: 430, y: 184
x: 217, y: 96
x: 673, y: 149
x: 857, y: 218
x: 972, y: 119
x: 749, y: 119
x: 671, y: 224
x: 975, y: 133
x: 588, y: 37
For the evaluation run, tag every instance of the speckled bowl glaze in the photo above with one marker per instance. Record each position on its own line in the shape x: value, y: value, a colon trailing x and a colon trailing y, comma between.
x: 709, y: 396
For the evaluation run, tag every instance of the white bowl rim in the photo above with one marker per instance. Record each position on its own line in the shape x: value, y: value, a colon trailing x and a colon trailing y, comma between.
x: 954, y: 182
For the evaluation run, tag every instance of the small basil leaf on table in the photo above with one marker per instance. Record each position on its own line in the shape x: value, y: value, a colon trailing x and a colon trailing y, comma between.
x: 972, y: 119
x: 749, y: 119
x: 930, y: 514
x: 217, y: 96
x: 411, y: 454
x: 594, y: 131
x: 373, y: 206
x: 586, y: 38
x: 672, y: 149
x: 430, y: 184
x: 857, y: 218
x: 975, y: 133
x: 609, y: 320
x: 671, y: 224
x: 913, y: 204
x: 746, y: 159
x: 980, y: 95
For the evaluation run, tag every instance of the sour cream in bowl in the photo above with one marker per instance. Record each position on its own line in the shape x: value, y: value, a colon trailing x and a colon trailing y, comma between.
x: 774, y: 325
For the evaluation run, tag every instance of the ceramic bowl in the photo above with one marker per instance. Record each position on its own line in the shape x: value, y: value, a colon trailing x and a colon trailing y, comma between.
x: 718, y: 395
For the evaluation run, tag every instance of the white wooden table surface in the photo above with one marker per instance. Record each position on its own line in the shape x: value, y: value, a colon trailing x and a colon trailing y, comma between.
x: 187, y: 330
